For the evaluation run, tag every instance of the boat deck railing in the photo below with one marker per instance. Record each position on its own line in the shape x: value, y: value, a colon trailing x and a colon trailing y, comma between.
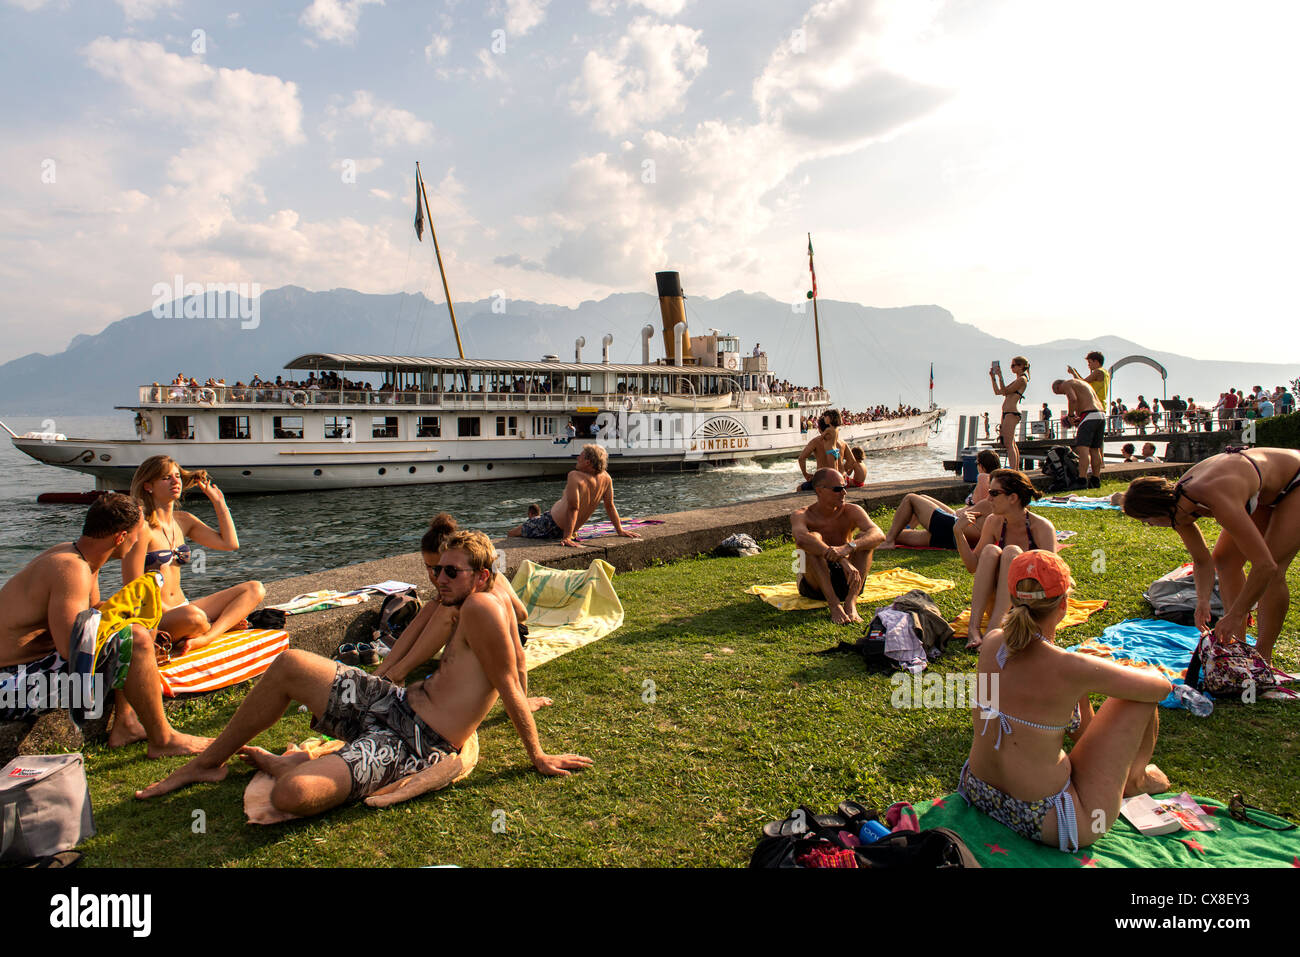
x: 277, y: 397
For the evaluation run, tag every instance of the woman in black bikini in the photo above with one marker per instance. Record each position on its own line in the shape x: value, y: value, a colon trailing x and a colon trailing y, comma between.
x: 1010, y: 530
x: 1012, y: 394
x: 159, y: 484
x: 1247, y: 491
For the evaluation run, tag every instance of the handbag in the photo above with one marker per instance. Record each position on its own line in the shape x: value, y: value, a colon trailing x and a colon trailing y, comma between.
x: 1229, y: 668
x: 44, y: 806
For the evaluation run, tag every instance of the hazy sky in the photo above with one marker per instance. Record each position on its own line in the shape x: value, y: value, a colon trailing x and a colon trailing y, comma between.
x: 1042, y: 169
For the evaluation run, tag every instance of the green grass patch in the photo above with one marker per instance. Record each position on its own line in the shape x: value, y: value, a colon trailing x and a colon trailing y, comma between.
x: 745, y: 723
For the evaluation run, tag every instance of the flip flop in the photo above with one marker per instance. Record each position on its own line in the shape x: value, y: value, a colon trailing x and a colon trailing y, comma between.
x: 856, y: 814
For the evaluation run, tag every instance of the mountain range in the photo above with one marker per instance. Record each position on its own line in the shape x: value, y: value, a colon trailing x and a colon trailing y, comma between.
x: 870, y: 355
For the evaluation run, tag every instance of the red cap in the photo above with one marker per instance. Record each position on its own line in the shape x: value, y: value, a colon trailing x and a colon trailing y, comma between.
x: 1046, y: 568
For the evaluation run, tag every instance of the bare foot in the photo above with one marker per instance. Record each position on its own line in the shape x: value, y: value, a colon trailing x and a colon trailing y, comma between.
x: 886, y: 545
x: 536, y: 704
x: 839, y: 616
x: 273, y: 764
x: 1152, y: 781
x: 176, y: 745
x: 974, y: 639
x: 190, y: 773
x: 127, y: 729
x: 853, y: 613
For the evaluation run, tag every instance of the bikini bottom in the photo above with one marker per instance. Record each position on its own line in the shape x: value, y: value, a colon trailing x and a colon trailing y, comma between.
x: 1024, y: 817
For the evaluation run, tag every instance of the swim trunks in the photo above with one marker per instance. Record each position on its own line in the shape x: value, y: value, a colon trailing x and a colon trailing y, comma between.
x: 839, y: 584
x: 543, y: 526
x: 942, y: 522
x: 386, y: 739
x: 1091, y: 431
x: 50, y: 684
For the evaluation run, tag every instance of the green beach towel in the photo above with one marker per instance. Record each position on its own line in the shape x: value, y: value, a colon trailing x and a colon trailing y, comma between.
x: 1236, y: 845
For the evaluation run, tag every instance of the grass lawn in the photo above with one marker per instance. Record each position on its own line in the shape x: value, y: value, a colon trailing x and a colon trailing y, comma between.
x: 744, y: 724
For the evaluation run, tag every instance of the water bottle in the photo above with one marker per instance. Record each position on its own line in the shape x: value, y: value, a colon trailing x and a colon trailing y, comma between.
x: 1191, y: 699
x: 872, y: 831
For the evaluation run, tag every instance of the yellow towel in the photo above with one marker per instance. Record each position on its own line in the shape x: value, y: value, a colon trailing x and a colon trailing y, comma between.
x: 879, y: 586
x: 137, y: 603
x: 1078, y: 610
x: 566, y: 608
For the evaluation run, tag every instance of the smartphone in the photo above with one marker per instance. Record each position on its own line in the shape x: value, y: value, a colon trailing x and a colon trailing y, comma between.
x: 997, y: 366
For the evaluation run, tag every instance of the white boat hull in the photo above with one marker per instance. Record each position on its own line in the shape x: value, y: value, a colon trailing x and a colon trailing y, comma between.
x: 254, y: 467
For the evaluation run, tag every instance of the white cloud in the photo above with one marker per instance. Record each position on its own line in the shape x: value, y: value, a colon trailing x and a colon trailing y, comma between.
x: 523, y: 15
x: 28, y: 5
x: 664, y: 8
x: 235, y: 19
x: 643, y: 78
x: 145, y: 9
x: 488, y: 65
x: 438, y: 47
x: 334, y: 20
x: 388, y: 124
x: 381, y: 193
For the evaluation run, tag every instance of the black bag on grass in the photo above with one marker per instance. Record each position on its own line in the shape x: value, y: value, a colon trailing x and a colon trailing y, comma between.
x: 930, y: 849
x: 1061, y: 466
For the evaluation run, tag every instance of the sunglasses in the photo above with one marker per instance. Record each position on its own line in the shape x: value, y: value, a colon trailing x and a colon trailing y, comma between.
x: 1238, y: 808
x: 836, y: 488
x: 451, y: 570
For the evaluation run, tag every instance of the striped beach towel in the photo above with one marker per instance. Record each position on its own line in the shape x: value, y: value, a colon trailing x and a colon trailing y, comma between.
x: 567, y: 608
x: 234, y: 657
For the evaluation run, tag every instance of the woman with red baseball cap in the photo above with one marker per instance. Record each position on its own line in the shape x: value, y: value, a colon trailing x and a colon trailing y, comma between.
x: 1039, y: 693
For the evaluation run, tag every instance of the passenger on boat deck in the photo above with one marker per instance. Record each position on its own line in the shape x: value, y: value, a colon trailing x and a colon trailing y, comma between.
x: 834, y: 563
x: 39, y: 607
x: 158, y: 485
x: 825, y: 448
x: 1250, y: 493
x: 396, y: 736
x: 1040, y: 693
x: 587, y: 486
x: 1011, y: 529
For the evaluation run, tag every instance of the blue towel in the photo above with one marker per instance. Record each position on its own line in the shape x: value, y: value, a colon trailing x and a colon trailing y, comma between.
x: 1163, y: 644
x: 1089, y: 504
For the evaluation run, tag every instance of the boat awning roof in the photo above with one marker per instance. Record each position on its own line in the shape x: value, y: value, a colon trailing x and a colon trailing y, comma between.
x: 355, y: 363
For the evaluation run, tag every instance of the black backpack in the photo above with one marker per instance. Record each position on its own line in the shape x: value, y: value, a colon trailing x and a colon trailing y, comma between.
x: 784, y: 841
x: 1061, y: 466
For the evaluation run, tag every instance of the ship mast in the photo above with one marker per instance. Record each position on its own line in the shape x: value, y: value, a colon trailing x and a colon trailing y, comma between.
x: 812, y: 294
x: 419, y: 228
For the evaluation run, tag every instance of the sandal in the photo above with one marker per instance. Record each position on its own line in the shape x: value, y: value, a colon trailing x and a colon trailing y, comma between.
x: 347, y: 653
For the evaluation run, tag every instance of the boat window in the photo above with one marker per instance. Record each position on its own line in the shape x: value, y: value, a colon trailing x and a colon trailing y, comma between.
x: 468, y: 426
x: 287, y: 426
x: 338, y: 427
x: 765, y: 422
x: 233, y: 427
x: 507, y: 425
x: 543, y: 425
x: 429, y: 427
x: 178, y: 426
x: 383, y: 427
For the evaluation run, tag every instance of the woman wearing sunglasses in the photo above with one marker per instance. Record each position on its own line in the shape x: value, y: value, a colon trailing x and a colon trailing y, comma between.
x: 1017, y: 772
x: 159, y: 483
x: 1011, y: 393
x: 1010, y: 530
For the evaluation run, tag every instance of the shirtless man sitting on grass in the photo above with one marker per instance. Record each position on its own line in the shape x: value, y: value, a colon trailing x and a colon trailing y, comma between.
x: 392, y: 732
x: 588, y: 485
x: 833, y: 567
x: 40, y: 605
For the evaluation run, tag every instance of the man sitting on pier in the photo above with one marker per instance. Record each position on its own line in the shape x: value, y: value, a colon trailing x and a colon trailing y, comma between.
x: 833, y: 567
x: 588, y: 485
x: 1090, y: 418
x: 393, y: 733
x: 39, y: 607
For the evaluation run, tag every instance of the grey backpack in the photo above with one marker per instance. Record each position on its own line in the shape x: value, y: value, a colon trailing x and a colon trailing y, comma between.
x: 44, y: 806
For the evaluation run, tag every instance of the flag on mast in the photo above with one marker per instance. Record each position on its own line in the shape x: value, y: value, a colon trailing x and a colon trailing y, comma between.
x: 419, y: 208
x: 812, y: 271
x: 931, y: 376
